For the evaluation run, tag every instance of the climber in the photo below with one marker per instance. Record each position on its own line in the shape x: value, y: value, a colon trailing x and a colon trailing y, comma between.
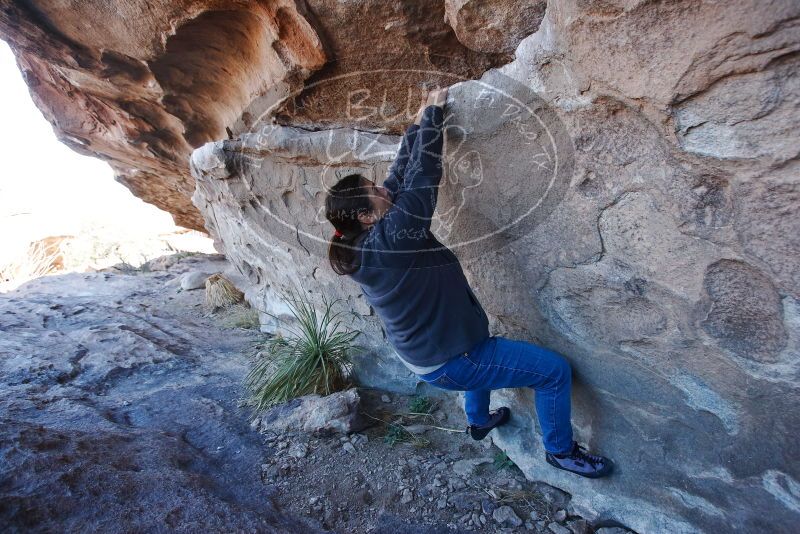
x: 432, y: 317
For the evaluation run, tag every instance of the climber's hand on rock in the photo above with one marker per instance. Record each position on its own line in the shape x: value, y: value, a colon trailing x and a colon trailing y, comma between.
x: 421, y: 109
x: 437, y: 97
x: 434, y: 97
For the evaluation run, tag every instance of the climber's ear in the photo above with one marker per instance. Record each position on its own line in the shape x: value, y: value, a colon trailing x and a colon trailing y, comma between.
x: 366, y: 218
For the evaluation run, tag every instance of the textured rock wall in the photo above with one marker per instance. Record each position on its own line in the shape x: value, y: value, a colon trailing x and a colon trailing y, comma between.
x: 658, y: 248
x: 140, y: 83
x: 621, y: 185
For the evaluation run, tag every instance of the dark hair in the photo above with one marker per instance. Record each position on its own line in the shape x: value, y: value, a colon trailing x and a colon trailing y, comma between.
x: 345, y: 202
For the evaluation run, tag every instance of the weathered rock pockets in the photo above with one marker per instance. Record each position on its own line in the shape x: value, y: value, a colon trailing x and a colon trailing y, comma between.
x: 663, y: 261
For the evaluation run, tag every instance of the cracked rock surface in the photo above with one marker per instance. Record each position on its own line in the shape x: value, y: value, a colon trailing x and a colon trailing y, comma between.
x: 118, y: 408
x: 649, y: 232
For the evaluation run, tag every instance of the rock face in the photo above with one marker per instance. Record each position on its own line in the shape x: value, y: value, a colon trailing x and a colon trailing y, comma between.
x: 119, y: 411
x: 634, y: 214
x: 623, y: 191
x: 489, y: 26
x: 140, y: 84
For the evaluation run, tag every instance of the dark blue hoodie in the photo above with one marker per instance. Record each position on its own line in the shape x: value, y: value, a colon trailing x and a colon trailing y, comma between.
x: 414, y: 283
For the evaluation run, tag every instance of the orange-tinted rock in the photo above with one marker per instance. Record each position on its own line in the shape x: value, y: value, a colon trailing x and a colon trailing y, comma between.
x: 141, y: 84
x: 491, y: 26
x: 380, y: 55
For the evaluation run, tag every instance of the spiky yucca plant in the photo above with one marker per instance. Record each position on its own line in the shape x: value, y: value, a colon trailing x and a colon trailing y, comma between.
x: 313, y: 358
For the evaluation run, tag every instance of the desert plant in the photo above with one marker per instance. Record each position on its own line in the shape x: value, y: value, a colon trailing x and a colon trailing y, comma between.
x: 397, y: 433
x: 502, y: 461
x: 221, y: 293
x: 313, y: 358
x: 241, y: 316
x: 420, y: 405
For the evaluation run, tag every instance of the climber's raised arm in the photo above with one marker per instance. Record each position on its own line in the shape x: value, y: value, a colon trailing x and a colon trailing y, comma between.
x: 394, y: 178
x: 396, y: 174
x: 409, y: 219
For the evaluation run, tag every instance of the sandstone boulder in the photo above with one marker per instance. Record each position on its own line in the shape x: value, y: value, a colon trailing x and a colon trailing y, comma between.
x: 338, y: 412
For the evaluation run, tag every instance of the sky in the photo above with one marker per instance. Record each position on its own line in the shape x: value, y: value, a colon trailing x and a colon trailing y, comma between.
x: 46, y: 188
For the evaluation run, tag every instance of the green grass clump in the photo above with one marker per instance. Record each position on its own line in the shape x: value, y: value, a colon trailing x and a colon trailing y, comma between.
x: 397, y: 433
x: 420, y: 405
x: 502, y: 461
x: 313, y: 358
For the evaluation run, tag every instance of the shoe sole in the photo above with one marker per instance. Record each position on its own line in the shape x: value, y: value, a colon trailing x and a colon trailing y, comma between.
x: 603, y: 472
x: 478, y: 435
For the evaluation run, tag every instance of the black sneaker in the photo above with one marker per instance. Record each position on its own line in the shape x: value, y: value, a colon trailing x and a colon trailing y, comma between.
x: 581, y: 463
x: 496, y: 418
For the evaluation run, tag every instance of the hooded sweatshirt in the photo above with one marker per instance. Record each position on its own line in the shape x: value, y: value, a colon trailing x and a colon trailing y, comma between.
x: 413, y: 282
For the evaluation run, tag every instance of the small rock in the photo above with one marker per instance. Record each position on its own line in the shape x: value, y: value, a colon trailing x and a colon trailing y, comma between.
x: 475, y: 518
x: 359, y: 439
x: 385, y: 398
x: 611, y: 530
x: 315, y: 414
x: 467, y: 466
x: 313, y: 500
x: 560, y: 516
x: 534, y: 515
x: 298, y: 450
x: 488, y: 506
x: 407, y: 496
x: 194, y: 280
x: 578, y: 526
x: 529, y: 525
x: 348, y: 447
x: 556, y: 498
x: 555, y: 528
x: 483, y: 519
x: 506, y: 515
x: 462, y: 501
x: 441, y: 504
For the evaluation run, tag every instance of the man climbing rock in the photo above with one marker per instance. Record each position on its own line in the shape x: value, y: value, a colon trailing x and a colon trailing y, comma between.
x: 432, y: 317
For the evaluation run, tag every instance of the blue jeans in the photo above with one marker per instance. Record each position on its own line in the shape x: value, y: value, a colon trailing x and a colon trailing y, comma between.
x: 498, y: 363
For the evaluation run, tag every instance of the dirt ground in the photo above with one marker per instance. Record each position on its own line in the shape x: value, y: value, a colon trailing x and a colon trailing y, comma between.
x: 444, y: 482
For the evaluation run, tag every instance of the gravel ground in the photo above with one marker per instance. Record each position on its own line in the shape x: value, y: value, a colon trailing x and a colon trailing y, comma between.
x: 446, y: 483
